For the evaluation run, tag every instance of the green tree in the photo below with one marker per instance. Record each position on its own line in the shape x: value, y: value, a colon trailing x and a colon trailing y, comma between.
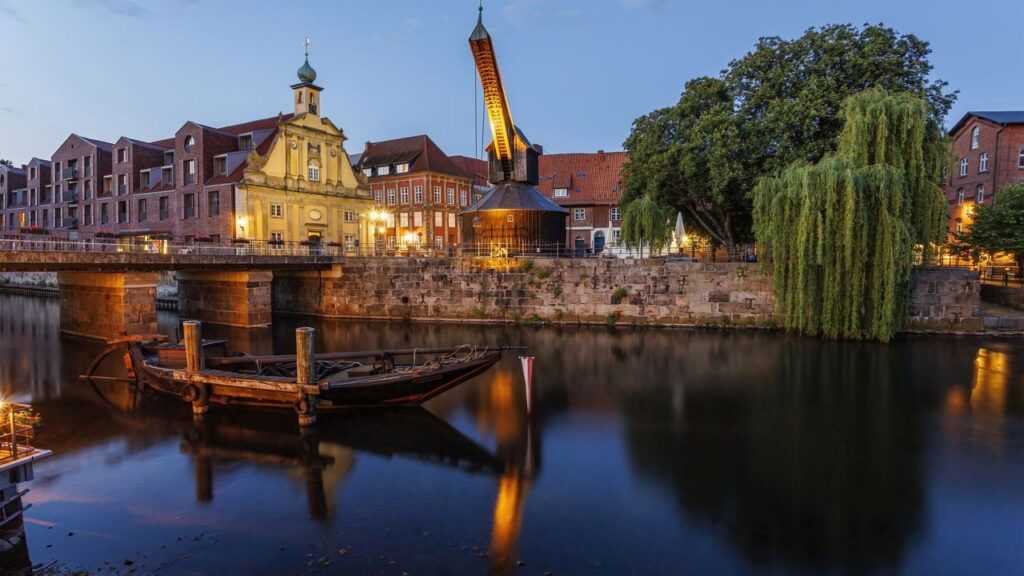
x: 778, y: 104
x: 999, y: 226
x: 840, y: 234
x: 645, y: 223
x: 6, y: 162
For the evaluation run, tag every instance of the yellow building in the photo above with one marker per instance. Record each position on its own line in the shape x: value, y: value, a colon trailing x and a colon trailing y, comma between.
x: 299, y: 184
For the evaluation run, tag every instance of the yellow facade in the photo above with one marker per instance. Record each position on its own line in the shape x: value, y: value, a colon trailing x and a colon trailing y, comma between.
x: 304, y: 185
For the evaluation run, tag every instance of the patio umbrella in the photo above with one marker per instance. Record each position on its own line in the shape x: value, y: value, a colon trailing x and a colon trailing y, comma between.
x: 680, y: 229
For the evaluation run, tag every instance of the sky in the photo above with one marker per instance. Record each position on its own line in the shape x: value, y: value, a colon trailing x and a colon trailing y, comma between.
x: 576, y: 72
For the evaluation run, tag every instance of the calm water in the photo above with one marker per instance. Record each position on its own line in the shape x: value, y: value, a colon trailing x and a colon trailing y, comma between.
x: 658, y: 452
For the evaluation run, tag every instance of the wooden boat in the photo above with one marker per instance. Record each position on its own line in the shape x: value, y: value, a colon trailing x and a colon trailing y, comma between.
x: 376, y: 378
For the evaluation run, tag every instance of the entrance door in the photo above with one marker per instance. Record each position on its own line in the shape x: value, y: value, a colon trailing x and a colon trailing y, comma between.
x: 581, y: 247
x: 598, y: 242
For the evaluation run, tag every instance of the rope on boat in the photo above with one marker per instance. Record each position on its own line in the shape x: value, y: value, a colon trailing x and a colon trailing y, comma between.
x: 461, y: 354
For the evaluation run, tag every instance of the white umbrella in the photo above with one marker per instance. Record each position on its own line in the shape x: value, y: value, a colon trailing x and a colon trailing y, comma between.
x: 680, y: 231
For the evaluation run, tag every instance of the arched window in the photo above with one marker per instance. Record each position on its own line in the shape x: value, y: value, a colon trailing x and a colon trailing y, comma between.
x: 314, y: 171
x: 974, y: 137
x: 190, y: 144
x: 299, y: 96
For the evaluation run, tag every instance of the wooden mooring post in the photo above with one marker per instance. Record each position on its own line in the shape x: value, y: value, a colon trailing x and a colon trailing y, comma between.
x: 195, y: 361
x: 305, y: 372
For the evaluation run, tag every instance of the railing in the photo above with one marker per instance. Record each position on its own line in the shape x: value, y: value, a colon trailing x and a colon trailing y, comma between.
x: 69, y: 174
x: 1001, y: 275
x: 69, y: 196
x: 17, y: 427
x: 130, y: 245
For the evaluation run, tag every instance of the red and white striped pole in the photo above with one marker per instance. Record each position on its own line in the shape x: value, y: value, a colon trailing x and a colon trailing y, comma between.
x: 527, y: 362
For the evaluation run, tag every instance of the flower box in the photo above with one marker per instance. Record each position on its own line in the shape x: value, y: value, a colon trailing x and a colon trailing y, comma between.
x: 239, y: 241
x: 34, y: 230
x: 105, y: 234
x: 203, y: 239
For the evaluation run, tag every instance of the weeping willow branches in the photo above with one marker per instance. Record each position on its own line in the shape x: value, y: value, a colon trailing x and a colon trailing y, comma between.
x: 645, y: 223
x: 840, y: 234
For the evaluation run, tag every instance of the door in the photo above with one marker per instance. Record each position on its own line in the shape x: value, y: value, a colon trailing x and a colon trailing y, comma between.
x: 580, y: 246
x: 598, y: 242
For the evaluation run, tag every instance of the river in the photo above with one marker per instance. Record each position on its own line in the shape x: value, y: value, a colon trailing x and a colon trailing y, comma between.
x: 643, y: 452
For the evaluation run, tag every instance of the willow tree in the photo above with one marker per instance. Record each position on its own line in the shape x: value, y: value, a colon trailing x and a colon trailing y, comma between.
x: 840, y: 234
x: 645, y: 222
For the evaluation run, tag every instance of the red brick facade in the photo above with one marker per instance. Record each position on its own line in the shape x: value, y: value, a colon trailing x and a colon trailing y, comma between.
x: 588, y: 186
x: 988, y: 148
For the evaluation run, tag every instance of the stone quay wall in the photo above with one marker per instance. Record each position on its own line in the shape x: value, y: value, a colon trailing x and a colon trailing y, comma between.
x: 594, y: 291
x: 945, y: 298
x: 1010, y: 296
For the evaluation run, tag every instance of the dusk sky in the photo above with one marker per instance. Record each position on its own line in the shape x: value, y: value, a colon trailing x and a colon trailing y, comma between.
x: 577, y: 72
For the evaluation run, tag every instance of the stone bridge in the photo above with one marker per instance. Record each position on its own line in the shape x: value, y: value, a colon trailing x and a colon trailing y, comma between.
x: 109, y: 288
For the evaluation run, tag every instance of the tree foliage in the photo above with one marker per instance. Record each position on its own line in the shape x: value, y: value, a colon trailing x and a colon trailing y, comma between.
x: 645, y: 223
x: 840, y: 234
x: 778, y: 104
x: 6, y: 162
x: 999, y: 226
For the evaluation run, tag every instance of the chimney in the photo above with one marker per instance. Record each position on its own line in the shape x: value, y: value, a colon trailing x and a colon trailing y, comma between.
x: 600, y: 155
x: 366, y: 147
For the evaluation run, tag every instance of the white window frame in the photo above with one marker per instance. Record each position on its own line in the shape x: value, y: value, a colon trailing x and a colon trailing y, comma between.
x: 579, y: 214
x: 417, y: 194
x: 402, y: 168
x: 437, y: 194
x: 979, y: 194
x: 403, y: 194
x: 975, y: 136
x: 451, y: 220
x: 378, y: 196
x: 450, y: 196
x: 244, y: 139
x: 1020, y: 158
x: 615, y: 213
x: 561, y: 193
x: 350, y: 216
x: 463, y: 197
x: 383, y: 170
x: 983, y: 162
x: 391, y: 196
x: 368, y: 171
x: 960, y: 194
x: 963, y: 166
x: 314, y: 172
x: 276, y: 211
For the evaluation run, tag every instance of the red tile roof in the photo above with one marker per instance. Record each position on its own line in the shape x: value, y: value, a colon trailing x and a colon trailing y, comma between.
x: 255, y: 125
x: 472, y: 167
x: 236, y: 175
x: 590, y: 178
x: 422, y: 154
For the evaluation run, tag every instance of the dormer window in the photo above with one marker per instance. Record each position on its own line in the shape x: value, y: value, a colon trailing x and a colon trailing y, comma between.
x: 402, y: 168
x: 190, y: 144
x: 368, y: 171
x: 245, y: 142
x: 220, y: 165
x: 169, y: 158
x: 974, y: 137
x: 561, y: 192
x: 383, y: 170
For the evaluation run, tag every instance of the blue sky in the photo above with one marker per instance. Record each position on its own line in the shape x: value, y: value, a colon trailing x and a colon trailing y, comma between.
x: 577, y: 72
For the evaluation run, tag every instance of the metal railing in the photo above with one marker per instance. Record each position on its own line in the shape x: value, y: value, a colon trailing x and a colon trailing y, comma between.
x: 17, y: 427
x: 127, y: 245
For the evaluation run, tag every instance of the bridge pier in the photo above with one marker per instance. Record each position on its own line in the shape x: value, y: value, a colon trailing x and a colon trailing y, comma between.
x: 226, y: 298
x: 307, y: 291
x: 104, y: 305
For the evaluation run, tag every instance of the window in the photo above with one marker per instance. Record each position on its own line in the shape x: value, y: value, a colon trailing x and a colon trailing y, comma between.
x: 47, y: 191
x: 579, y: 214
x: 377, y: 196
x: 46, y: 218
x: 439, y: 242
x: 122, y: 211
x: 190, y: 206
x: 190, y: 144
x: 368, y: 171
x: 510, y: 218
x: 417, y: 194
x: 1020, y: 158
x: 350, y: 243
x: 213, y: 204
x: 983, y: 162
x: 122, y: 187
x: 104, y: 213
x: 403, y: 195
x: 245, y: 142
x: 561, y: 192
x: 57, y: 213
x: 141, y: 212
x: 190, y: 171
x: 438, y: 219
x: 403, y: 219
x: 88, y: 166
x: 277, y: 238
x: 122, y: 155
x: 963, y: 166
x: 168, y: 157
x: 383, y: 171
x: 451, y: 220
x: 391, y: 196
x: 463, y: 197
x: 167, y: 176
x: 616, y: 213
x: 437, y: 194
x: 144, y: 179
x: 350, y: 216
x: 960, y: 197
x: 314, y: 172
x: 32, y: 173
x: 276, y: 211
x: 451, y: 196
x: 391, y: 242
x: 402, y: 168
x: 616, y: 235
x: 417, y: 219
x: 88, y: 188
x: 220, y: 165
x: 165, y: 210
x: 979, y: 195
x: 974, y: 137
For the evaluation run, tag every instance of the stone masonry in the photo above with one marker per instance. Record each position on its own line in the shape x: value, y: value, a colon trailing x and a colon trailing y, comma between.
x: 107, y: 304
x: 945, y: 298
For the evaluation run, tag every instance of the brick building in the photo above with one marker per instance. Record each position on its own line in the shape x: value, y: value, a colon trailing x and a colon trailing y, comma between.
x: 285, y: 177
x: 588, y: 186
x: 421, y: 191
x: 989, y: 152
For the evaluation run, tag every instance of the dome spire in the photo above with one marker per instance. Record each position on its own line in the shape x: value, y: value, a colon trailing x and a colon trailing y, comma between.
x: 306, y: 73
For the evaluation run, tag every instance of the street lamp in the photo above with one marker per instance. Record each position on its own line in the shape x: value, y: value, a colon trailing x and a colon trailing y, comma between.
x: 377, y: 220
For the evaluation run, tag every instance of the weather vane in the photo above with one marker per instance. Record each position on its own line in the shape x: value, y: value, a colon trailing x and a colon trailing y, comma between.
x: 306, y: 44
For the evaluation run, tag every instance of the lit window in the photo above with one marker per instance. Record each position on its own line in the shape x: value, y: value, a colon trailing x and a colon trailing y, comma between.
x: 277, y: 238
x: 979, y: 195
x: 401, y: 168
x: 616, y: 213
x: 377, y: 197
x: 391, y: 242
x: 276, y: 211
x: 368, y: 171
x: 350, y: 243
x: 403, y: 219
x: 561, y: 192
x: 510, y: 218
x: 350, y: 216
x: 403, y: 195
x: 983, y: 162
x: 383, y: 171
x: 579, y: 214
x: 960, y: 197
x: 974, y: 138
x: 438, y: 219
x: 314, y: 172
x: 963, y: 166
x: 391, y: 196
x: 451, y: 220
x: 417, y: 194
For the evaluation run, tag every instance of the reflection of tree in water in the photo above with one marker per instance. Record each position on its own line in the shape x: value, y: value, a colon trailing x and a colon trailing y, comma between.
x: 814, y: 462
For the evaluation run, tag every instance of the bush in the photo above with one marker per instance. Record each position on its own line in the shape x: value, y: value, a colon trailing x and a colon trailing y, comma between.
x: 525, y: 265
x: 545, y: 273
x: 619, y: 294
x: 613, y: 318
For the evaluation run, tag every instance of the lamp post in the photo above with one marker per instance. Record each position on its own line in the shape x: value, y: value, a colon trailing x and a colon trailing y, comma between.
x: 377, y: 220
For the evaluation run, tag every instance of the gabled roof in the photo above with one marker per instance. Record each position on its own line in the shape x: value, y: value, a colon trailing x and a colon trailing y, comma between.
x: 511, y: 195
x: 998, y: 117
x: 166, y: 143
x: 239, y: 172
x: 13, y: 170
x: 589, y: 178
x: 473, y: 168
x: 255, y: 125
x: 150, y: 145
x: 420, y: 152
x: 105, y: 146
x: 39, y: 161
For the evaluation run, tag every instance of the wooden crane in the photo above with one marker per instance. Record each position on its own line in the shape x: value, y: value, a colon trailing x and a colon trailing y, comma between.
x: 511, y: 156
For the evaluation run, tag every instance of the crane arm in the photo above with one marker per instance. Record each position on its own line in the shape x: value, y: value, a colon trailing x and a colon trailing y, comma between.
x: 502, y: 128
